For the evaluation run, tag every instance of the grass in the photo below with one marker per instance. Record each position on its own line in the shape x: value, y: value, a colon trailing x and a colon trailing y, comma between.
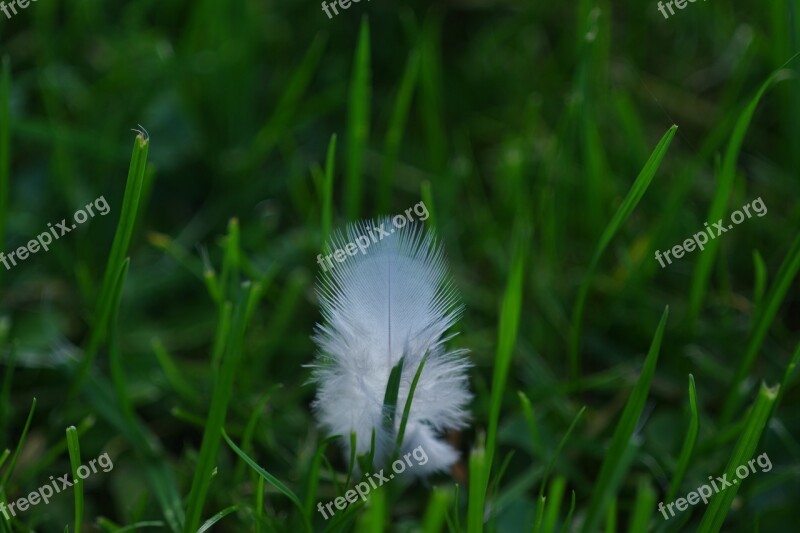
x: 556, y: 147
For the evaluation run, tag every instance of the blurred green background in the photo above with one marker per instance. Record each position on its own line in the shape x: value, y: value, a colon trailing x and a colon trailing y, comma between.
x: 522, y: 125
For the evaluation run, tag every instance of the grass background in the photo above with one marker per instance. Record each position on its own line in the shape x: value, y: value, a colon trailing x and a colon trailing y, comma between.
x: 524, y: 127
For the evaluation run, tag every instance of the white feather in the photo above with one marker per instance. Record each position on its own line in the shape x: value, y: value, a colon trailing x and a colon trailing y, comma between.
x: 394, y: 300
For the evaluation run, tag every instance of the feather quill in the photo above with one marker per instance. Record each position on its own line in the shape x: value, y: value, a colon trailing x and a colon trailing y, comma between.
x: 395, y: 299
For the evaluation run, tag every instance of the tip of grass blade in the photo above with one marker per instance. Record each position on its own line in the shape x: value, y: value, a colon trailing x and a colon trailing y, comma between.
x: 142, y: 136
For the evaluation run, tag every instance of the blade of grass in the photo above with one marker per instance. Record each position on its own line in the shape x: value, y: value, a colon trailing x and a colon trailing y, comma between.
x: 374, y: 518
x: 605, y: 488
x: 787, y: 375
x: 561, y: 444
x: 401, y: 432
x: 430, y: 90
x: 174, y: 376
x: 611, y: 516
x: 115, y: 357
x: 720, y: 503
x: 537, y: 525
x: 643, y: 507
x: 219, y: 516
x: 702, y: 271
x: 435, y: 514
x: 427, y: 198
x: 223, y: 386
x: 397, y: 126
x: 630, y: 202
x: 760, y: 282
x: 313, y: 476
x: 530, y: 418
x: 18, y: 449
x: 231, y: 261
x: 5, y: 145
x: 280, y: 121
x: 568, y: 520
x: 259, y: 504
x: 688, y: 443
x: 250, y: 428
x: 73, y: 446
x: 5, y: 390
x: 327, y: 191
x: 358, y: 117
x: 507, y: 338
x: 158, y: 473
x: 553, y: 504
x: 269, y: 478
x: 478, y: 482
x: 390, y: 396
x: 111, y: 527
x: 763, y: 319
x: 119, y: 250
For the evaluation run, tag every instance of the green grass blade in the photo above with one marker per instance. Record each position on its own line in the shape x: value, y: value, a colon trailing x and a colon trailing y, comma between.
x: 643, y: 507
x: 427, y: 197
x: 5, y: 389
x: 507, y: 338
x: 430, y: 90
x: 530, y: 418
x: 5, y: 145
x: 561, y: 444
x: 115, y: 357
x: 223, y: 386
x: 327, y: 192
x: 705, y: 261
x: 358, y: 116
x: 174, y: 376
x: 568, y: 520
x: 292, y: 98
x: 763, y: 320
x: 231, y: 262
x: 217, y: 517
x: 397, y: 126
x: 73, y: 445
x: 478, y: 482
x: 259, y: 504
x: 537, y: 525
x: 390, y: 396
x: 401, y: 432
x: 18, y: 449
x: 630, y: 202
x: 553, y: 503
x: 611, y: 516
x: 269, y: 478
x: 760, y: 282
x: 688, y: 443
x: 313, y: 476
x: 605, y: 488
x: 119, y: 250
x: 720, y: 503
x: 436, y: 513
x: 787, y: 375
x: 113, y: 528
x: 158, y: 472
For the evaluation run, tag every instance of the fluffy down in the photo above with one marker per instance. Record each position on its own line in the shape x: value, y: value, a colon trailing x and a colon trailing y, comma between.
x: 393, y: 300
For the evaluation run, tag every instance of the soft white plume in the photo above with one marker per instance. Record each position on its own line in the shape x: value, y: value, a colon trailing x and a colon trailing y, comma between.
x: 395, y: 299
